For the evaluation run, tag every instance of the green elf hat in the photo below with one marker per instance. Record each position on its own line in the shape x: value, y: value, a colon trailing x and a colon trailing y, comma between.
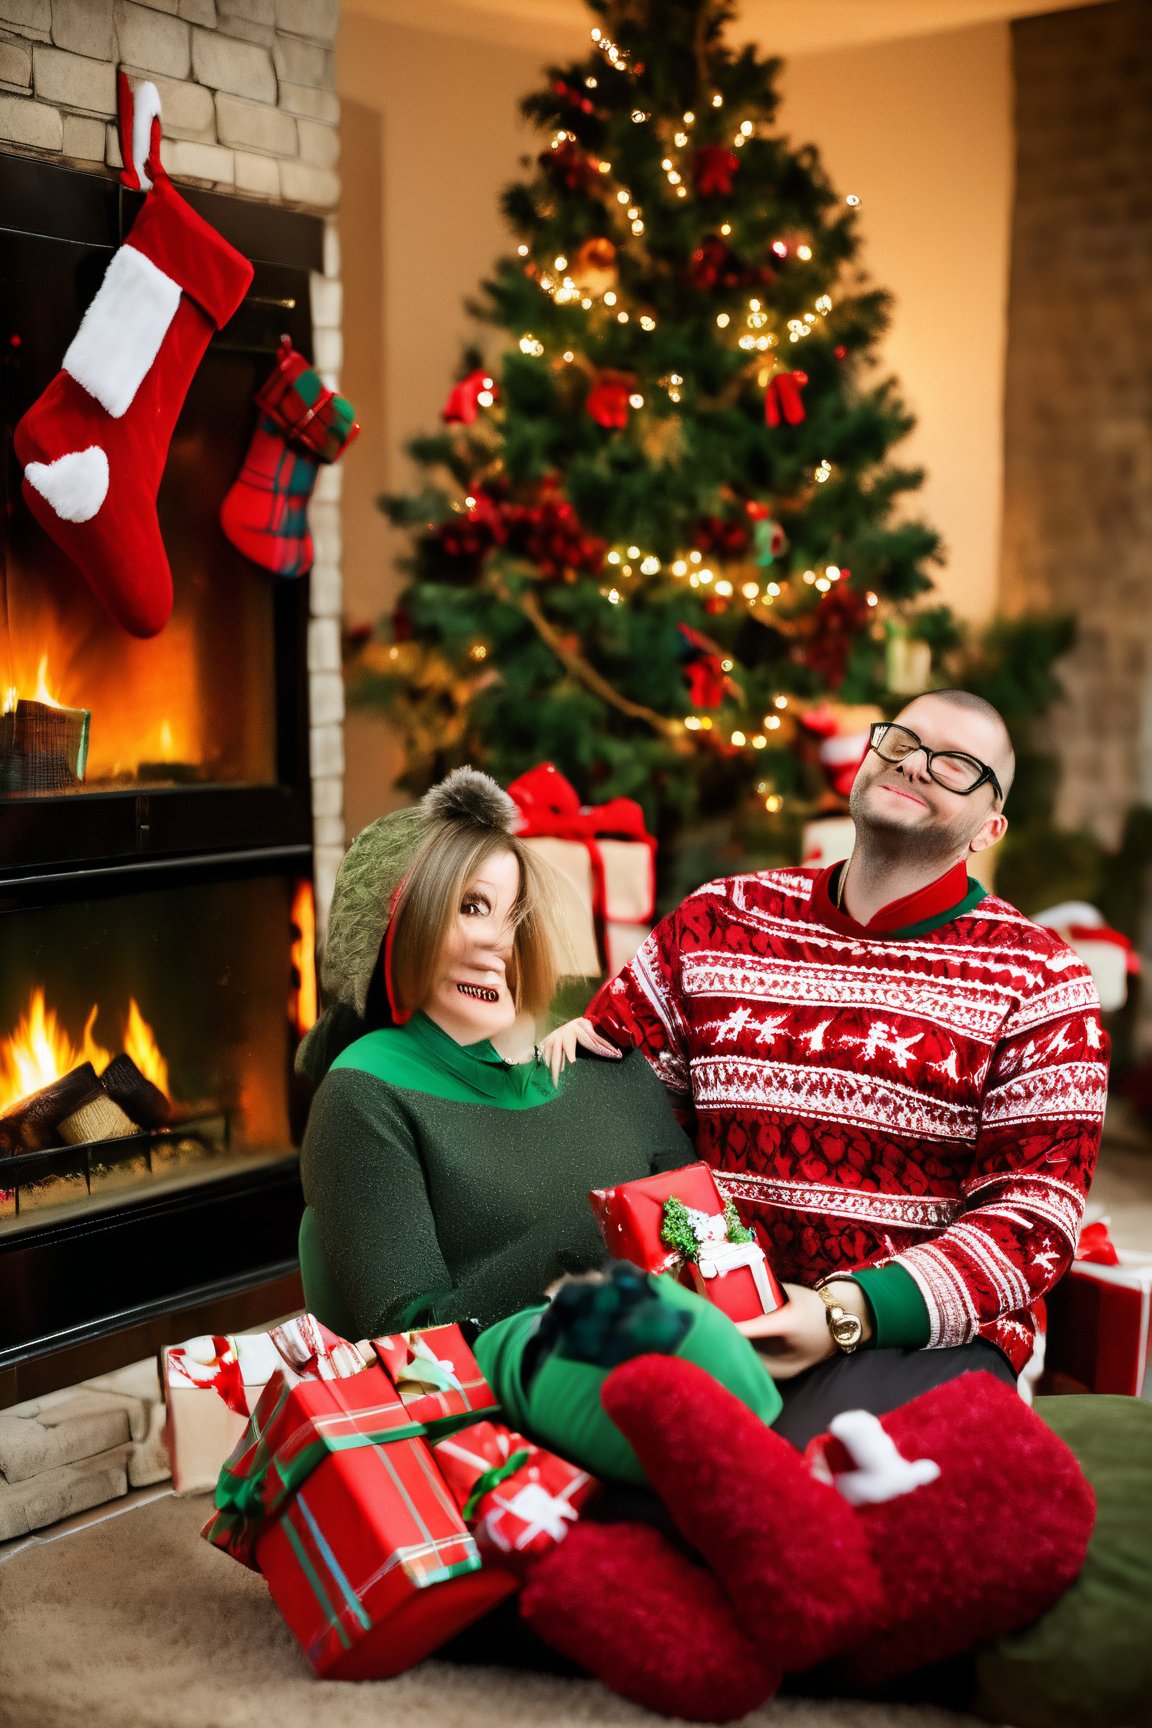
x: 369, y: 887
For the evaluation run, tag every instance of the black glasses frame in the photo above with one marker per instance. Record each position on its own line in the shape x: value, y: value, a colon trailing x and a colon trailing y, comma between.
x: 878, y: 730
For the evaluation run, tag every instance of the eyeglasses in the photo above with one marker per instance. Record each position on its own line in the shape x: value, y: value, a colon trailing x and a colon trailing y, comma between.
x: 951, y: 769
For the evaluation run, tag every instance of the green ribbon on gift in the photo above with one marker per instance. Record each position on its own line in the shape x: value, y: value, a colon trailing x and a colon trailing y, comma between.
x: 492, y: 1479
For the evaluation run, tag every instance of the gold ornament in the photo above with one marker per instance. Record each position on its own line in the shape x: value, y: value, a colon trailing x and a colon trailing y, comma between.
x: 594, y: 269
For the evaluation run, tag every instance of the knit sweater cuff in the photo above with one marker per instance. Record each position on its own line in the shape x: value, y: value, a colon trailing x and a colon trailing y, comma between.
x: 899, y: 1312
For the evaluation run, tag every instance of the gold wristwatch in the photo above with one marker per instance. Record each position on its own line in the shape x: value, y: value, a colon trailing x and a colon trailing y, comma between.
x: 846, y: 1329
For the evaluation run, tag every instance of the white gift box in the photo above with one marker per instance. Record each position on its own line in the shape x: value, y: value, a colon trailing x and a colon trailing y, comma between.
x: 1106, y: 953
x: 205, y: 1381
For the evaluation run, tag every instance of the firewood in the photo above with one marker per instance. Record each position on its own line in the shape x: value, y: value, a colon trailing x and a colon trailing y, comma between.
x: 97, y: 1118
x: 137, y: 1097
x: 32, y: 1124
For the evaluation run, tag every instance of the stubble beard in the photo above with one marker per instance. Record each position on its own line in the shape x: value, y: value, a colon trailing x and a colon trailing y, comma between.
x: 890, y: 841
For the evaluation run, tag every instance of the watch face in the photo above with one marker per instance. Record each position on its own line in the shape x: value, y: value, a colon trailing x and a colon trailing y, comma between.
x: 847, y: 1329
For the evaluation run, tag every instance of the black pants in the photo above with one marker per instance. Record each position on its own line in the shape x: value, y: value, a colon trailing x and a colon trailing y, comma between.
x: 877, y: 1381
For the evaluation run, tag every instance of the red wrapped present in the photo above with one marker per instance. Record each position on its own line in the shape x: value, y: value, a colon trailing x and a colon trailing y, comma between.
x: 680, y: 1223
x: 334, y: 1496
x: 517, y: 1499
x: 436, y: 1375
x: 1098, y: 1318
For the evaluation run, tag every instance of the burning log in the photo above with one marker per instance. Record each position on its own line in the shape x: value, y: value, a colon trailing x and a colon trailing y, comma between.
x: 43, y: 748
x: 33, y: 1124
x: 97, y: 1118
x: 143, y: 1102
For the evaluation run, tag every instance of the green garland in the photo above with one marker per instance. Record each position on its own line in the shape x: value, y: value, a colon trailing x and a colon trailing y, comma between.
x: 676, y: 1230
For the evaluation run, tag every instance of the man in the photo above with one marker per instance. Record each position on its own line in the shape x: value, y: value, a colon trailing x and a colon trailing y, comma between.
x: 899, y: 1077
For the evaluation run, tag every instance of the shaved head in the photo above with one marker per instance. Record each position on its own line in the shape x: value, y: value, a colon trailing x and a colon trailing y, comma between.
x: 987, y: 737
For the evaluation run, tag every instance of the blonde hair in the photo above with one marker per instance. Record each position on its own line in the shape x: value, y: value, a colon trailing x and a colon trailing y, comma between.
x: 429, y: 900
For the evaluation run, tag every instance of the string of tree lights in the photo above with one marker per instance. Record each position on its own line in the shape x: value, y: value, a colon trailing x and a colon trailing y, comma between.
x: 662, y: 519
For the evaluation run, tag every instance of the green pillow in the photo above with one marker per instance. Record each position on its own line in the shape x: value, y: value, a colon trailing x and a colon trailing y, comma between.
x: 1087, y: 1663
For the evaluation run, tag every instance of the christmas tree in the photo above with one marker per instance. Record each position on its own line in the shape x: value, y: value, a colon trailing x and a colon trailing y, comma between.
x: 658, y: 527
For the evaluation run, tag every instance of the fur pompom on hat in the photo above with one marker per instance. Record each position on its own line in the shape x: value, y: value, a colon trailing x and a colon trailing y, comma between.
x: 377, y: 863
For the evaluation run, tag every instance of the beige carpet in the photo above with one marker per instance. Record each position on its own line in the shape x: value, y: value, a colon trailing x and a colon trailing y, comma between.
x: 135, y: 1623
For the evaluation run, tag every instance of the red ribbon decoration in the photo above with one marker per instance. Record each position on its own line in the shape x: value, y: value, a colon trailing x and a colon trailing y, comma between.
x: 550, y: 806
x: 463, y: 404
x: 782, y: 399
x: 607, y: 401
x: 713, y: 169
x: 1096, y: 1245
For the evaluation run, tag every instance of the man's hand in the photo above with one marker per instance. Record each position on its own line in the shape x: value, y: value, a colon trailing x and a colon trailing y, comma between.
x: 559, y: 1047
x: 796, y: 1336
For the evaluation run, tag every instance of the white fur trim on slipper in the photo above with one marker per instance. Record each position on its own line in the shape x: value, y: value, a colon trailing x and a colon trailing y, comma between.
x: 121, y: 332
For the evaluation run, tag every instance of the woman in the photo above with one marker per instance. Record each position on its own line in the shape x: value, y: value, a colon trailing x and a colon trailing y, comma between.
x: 446, y: 1172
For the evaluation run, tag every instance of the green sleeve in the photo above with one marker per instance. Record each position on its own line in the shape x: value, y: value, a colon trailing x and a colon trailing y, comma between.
x: 673, y: 1148
x: 899, y: 1312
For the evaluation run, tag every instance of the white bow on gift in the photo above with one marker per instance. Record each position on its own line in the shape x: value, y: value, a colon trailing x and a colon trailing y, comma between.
x: 718, y: 1257
x: 538, y: 1511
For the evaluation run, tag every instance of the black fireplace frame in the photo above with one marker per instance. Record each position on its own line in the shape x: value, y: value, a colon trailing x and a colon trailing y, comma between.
x: 86, y: 1293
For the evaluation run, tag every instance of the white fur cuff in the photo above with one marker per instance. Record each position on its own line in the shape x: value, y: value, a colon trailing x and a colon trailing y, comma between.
x: 121, y: 332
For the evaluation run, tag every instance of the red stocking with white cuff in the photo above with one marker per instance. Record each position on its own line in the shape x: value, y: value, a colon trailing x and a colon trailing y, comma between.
x: 93, y: 447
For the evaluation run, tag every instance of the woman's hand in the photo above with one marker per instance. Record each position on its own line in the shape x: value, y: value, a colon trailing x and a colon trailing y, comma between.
x: 559, y: 1048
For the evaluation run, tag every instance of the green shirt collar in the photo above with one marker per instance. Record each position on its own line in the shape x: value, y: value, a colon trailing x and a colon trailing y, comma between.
x: 421, y: 1057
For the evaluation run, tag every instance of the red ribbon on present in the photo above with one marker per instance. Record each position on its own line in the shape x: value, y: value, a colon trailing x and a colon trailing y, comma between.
x: 1096, y: 1245
x: 1104, y: 933
x: 782, y: 399
x: 222, y: 1373
x: 550, y: 806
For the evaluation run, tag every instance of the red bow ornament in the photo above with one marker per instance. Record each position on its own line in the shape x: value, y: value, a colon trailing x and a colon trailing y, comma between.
x: 466, y: 398
x: 713, y: 169
x: 607, y: 401
x: 782, y: 399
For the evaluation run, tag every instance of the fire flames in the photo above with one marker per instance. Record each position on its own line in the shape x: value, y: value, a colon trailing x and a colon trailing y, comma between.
x: 117, y: 690
x: 40, y: 1051
x: 303, y: 1007
x: 40, y: 694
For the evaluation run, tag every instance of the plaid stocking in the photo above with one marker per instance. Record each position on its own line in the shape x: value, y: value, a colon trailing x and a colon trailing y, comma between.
x: 265, y: 514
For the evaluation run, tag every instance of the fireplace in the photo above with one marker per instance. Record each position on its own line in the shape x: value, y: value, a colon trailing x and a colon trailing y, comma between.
x: 156, y: 914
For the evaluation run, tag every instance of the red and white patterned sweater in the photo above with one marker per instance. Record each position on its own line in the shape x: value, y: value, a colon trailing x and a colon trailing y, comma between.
x: 929, y: 1097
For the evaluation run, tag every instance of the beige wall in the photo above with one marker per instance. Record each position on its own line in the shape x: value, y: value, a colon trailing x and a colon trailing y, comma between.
x: 920, y: 128
x: 433, y: 128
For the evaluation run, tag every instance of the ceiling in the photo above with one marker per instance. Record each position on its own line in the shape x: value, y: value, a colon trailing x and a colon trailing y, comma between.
x: 560, y: 27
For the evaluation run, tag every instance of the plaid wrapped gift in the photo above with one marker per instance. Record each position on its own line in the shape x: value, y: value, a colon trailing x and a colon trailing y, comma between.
x: 334, y: 1496
x: 302, y: 423
x: 680, y: 1223
x: 437, y: 1377
x: 517, y: 1499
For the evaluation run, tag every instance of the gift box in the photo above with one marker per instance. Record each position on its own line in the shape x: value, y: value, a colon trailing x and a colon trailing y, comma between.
x: 333, y: 1494
x: 212, y: 1384
x: 437, y: 1377
x: 210, y: 1387
x: 1098, y: 1319
x: 518, y: 1499
x: 1107, y: 953
x: 605, y: 862
x: 680, y: 1223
